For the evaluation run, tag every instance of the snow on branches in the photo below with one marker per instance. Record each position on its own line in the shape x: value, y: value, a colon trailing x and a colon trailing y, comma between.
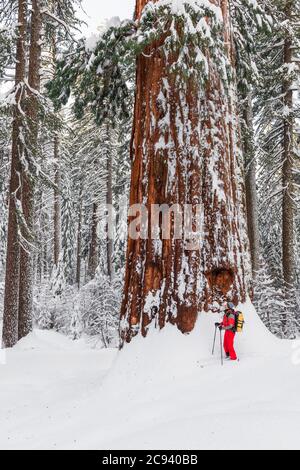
x: 96, y: 73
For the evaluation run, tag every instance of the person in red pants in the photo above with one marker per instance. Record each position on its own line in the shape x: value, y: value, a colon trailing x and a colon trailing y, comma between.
x: 228, y: 324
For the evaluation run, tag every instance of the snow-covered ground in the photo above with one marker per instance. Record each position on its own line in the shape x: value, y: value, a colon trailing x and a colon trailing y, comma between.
x: 165, y: 392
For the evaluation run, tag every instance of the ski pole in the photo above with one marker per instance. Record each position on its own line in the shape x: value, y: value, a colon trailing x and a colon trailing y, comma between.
x: 221, y: 345
x: 213, y: 350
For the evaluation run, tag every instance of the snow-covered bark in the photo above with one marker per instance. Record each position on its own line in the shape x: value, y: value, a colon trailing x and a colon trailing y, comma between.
x: 94, y: 246
x: 288, y: 203
x: 109, y: 202
x: 277, y: 112
x: 186, y: 150
x: 251, y: 20
x: 57, y: 204
x: 250, y: 184
x: 5, y: 125
x: 11, y: 294
x: 28, y: 175
x: 79, y: 235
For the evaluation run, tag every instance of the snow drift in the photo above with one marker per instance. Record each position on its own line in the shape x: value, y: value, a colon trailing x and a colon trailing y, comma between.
x: 165, y: 391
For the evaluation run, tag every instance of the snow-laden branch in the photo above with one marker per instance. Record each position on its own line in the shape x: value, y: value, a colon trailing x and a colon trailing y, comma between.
x: 61, y: 22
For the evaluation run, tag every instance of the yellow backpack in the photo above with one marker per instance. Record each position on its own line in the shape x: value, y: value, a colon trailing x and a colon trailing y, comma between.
x: 239, y: 322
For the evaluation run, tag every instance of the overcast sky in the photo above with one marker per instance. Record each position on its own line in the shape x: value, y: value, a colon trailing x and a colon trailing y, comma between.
x: 99, y: 10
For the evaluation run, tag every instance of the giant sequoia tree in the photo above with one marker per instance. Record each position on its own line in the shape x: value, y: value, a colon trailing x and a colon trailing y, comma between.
x: 186, y: 150
x: 186, y: 155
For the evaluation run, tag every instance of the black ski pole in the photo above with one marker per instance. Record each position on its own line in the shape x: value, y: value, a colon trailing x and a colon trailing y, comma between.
x: 213, y: 350
x: 221, y: 345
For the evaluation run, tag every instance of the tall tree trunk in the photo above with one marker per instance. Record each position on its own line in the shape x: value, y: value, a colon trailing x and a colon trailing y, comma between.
x: 28, y: 177
x: 109, y: 202
x: 251, y: 190
x: 195, y: 160
x: 57, y: 203
x: 39, y: 256
x: 93, y: 255
x: 45, y: 261
x: 57, y: 171
x: 288, y: 248
x: 11, y: 295
x: 79, y: 238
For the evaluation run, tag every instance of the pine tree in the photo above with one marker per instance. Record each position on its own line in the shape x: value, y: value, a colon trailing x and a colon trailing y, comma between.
x: 22, y: 52
x: 291, y: 9
x: 28, y: 175
x: 5, y: 125
x: 8, y: 39
x: 11, y: 295
x: 63, y: 274
x: 277, y: 112
x: 57, y: 202
x: 121, y: 188
x: 269, y: 301
x: 250, y: 19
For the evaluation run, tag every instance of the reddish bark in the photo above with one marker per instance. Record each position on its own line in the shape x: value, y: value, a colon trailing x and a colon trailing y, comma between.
x: 165, y: 281
x: 288, y: 202
x: 11, y: 295
x: 28, y: 182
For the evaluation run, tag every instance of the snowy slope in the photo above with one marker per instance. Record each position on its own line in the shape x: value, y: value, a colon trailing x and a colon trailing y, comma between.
x: 163, y: 392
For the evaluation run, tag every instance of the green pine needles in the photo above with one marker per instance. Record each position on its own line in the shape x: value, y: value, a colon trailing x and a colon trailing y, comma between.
x: 190, y: 38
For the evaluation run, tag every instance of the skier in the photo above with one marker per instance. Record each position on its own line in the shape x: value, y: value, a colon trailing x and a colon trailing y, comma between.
x: 228, y: 324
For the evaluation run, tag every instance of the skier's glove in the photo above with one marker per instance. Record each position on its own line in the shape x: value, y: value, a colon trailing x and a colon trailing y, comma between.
x: 217, y: 324
x: 220, y: 327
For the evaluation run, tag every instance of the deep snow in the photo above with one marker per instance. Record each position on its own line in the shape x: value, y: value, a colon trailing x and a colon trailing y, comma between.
x: 165, y: 392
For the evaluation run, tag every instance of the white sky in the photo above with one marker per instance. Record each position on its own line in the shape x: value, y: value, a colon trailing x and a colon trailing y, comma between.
x: 99, y: 10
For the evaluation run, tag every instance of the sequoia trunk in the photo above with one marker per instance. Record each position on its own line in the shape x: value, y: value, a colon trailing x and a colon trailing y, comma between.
x: 185, y: 152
